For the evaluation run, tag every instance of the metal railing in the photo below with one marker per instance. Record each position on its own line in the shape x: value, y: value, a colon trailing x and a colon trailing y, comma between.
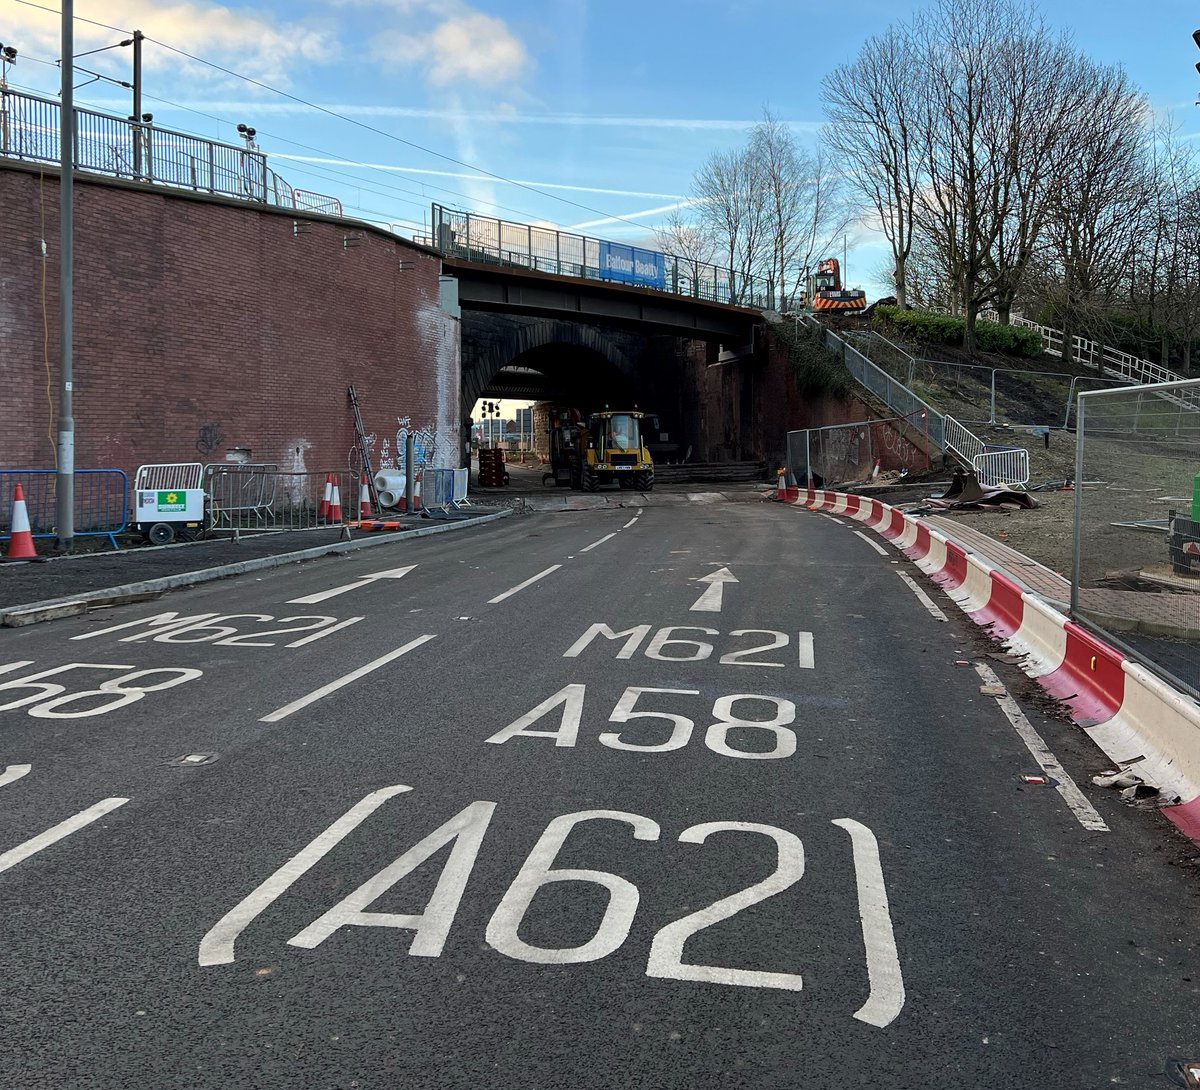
x: 260, y: 499
x: 543, y: 249
x: 998, y: 466
x: 140, y: 151
x: 101, y: 501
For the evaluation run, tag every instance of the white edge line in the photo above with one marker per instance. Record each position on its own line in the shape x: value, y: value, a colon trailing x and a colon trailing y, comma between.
x: 832, y: 519
x: 605, y: 538
x: 630, y: 523
x: 333, y: 686
x: 923, y: 598
x: 1075, y: 799
x: 216, y: 948
x: 521, y: 586
x: 57, y: 832
x: 886, y: 997
x: 874, y: 544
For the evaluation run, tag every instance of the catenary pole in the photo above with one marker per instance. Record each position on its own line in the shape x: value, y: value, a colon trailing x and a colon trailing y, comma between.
x: 65, y: 481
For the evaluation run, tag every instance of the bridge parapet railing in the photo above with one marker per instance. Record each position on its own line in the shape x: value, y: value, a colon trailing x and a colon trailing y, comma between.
x: 545, y: 249
x: 142, y: 151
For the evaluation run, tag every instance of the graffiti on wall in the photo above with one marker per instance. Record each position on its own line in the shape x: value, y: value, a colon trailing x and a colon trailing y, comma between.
x: 209, y: 438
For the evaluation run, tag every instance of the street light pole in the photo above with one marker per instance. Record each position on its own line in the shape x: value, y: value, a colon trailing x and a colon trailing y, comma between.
x: 65, y: 479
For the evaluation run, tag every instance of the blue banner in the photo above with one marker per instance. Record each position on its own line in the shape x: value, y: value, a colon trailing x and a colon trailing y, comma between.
x: 630, y: 265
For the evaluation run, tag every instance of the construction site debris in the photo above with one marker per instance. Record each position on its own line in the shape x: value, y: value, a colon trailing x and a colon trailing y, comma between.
x: 966, y: 491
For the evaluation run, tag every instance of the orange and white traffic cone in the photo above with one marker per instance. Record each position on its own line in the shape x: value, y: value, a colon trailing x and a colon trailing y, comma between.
x: 323, y: 508
x: 335, y: 503
x: 20, y: 545
x: 364, y: 498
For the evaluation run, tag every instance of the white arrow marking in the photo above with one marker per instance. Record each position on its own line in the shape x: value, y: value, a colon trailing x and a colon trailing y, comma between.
x: 710, y: 600
x: 321, y: 596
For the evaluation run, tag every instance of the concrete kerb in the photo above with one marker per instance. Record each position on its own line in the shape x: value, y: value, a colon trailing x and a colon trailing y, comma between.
x: 1134, y: 717
x: 131, y: 591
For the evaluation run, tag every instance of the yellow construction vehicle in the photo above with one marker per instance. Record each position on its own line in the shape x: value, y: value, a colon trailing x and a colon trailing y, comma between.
x: 609, y: 447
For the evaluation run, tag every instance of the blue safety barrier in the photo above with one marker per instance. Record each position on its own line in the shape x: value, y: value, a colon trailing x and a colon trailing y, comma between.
x: 101, y: 501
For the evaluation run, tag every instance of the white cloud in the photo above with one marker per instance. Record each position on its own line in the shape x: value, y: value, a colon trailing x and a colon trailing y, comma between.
x: 249, y: 40
x: 462, y: 46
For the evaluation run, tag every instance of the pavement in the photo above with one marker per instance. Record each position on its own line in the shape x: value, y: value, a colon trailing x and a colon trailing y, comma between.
x: 685, y: 798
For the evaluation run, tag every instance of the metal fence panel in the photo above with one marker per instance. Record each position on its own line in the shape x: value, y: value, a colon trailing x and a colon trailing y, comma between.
x: 1136, y: 557
x: 1002, y: 466
x: 101, y: 501
x: 259, y: 499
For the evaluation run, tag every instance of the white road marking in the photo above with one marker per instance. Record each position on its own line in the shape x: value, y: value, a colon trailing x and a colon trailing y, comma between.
x: 874, y: 544
x: 630, y: 523
x: 13, y: 773
x: 710, y: 600
x: 521, y: 586
x: 1083, y: 810
x: 590, y: 547
x: 216, y: 948
x: 346, y: 679
x: 324, y: 632
x: 922, y: 597
x: 321, y: 596
x: 53, y: 835
x: 9, y: 666
x: 804, y: 640
x: 832, y: 519
x: 886, y: 997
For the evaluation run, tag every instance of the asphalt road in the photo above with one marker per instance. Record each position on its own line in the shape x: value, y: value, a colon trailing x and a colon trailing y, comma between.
x: 433, y: 830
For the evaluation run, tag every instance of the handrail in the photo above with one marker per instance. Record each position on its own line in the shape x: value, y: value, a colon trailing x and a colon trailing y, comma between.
x: 141, y: 151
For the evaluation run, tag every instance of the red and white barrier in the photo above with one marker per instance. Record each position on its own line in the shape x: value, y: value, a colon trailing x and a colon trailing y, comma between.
x: 1133, y: 716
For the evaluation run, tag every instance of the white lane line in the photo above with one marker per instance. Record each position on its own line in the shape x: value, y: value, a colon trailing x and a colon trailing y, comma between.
x: 886, y: 997
x: 216, y: 948
x: 346, y: 679
x: 333, y: 592
x: 832, y: 519
x: 630, y: 523
x: 13, y: 773
x: 53, y: 835
x: 922, y: 597
x: 874, y: 544
x: 1083, y: 810
x: 521, y: 586
x: 804, y: 640
x: 605, y: 538
x: 324, y: 632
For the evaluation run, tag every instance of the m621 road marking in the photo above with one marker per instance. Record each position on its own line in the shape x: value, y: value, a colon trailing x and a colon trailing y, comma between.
x: 466, y: 831
x: 700, y: 649
x: 215, y: 628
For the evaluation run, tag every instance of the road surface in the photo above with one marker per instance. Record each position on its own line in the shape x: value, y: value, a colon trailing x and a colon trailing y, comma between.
x: 702, y: 796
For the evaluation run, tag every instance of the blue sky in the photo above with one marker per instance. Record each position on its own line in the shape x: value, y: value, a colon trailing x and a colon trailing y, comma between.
x: 609, y: 105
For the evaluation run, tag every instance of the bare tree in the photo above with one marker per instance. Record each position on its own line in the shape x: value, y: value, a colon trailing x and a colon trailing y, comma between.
x: 731, y: 205
x: 871, y: 104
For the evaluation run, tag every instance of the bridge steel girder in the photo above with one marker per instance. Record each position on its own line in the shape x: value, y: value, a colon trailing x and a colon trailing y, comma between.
x: 517, y: 290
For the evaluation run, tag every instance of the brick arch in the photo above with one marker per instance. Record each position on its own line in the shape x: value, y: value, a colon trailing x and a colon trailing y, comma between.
x: 493, y: 341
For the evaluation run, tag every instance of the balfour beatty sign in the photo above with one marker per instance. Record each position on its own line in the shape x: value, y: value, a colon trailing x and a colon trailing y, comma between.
x: 630, y: 265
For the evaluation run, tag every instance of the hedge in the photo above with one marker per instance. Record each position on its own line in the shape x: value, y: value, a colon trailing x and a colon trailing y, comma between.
x: 930, y: 328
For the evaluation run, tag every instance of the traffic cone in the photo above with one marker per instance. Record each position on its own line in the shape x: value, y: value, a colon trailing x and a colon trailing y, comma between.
x: 323, y: 509
x: 20, y: 545
x: 364, y: 498
x: 335, y: 504
x: 875, y: 471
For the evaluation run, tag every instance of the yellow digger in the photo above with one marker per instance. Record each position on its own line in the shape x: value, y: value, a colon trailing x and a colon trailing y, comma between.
x: 608, y: 448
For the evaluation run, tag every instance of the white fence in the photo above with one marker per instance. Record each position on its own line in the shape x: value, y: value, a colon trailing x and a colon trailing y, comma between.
x: 1009, y: 466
